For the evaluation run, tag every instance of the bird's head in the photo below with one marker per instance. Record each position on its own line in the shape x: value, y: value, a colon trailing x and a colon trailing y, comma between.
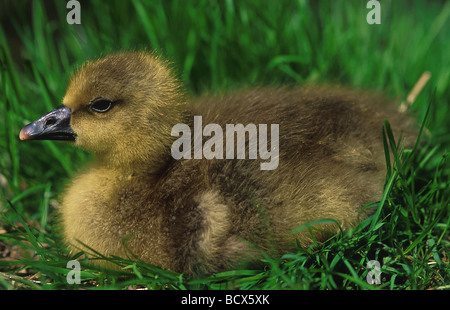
x: 121, y: 107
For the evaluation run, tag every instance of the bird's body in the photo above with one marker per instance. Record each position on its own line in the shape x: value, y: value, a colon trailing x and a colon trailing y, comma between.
x: 209, y: 215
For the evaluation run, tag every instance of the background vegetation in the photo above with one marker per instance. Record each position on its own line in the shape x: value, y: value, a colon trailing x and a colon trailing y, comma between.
x: 220, y: 45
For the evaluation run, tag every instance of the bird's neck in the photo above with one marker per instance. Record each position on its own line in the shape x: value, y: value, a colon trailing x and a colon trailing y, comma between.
x: 126, y: 168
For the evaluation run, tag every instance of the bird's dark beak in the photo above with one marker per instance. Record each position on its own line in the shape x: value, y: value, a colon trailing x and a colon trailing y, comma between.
x: 54, y: 125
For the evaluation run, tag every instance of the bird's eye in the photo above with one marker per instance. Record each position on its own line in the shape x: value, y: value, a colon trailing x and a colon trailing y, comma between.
x: 101, y: 105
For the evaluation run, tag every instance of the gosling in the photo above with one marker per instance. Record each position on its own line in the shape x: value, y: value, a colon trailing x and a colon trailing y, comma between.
x: 198, y: 215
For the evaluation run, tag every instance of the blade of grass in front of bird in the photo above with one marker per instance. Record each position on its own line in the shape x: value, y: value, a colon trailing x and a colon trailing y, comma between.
x: 44, y: 206
x: 386, y: 193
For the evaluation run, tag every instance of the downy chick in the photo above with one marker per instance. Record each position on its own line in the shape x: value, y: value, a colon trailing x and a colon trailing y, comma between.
x: 200, y: 216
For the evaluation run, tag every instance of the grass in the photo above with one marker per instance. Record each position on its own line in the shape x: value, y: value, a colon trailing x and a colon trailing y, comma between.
x: 217, y: 46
